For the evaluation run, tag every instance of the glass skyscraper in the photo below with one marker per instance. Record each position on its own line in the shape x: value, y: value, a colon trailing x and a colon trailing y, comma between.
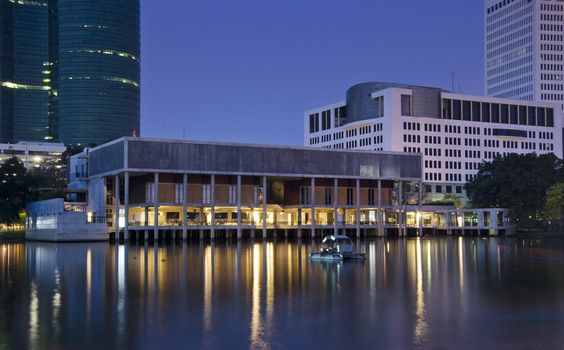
x: 24, y: 72
x: 70, y: 70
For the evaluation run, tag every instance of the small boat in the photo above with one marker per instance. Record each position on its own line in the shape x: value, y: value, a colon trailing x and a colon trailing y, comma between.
x: 337, y: 248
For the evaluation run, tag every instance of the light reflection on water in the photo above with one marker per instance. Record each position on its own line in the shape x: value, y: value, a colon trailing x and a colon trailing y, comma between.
x: 414, y: 293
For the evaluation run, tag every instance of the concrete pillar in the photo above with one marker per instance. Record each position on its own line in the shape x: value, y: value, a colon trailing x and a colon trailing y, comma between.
x: 212, y: 190
x: 357, y: 208
x: 239, y: 232
x: 146, y: 215
x: 312, y: 189
x: 300, y: 222
x: 126, y: 207
x: 480, y: 219
x: 116, y: 196
x: 380, y: 211
x: 184, y: 201
x: 264, y: 202
x: 400, y: 211
x: 419, y: 208
x: 335, y: 207
x: 156, y: 205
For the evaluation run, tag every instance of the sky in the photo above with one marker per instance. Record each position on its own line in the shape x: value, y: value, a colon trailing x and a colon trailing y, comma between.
x: 247, y: 70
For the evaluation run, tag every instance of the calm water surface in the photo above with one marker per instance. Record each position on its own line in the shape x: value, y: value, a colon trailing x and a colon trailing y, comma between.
x: 437, y: 293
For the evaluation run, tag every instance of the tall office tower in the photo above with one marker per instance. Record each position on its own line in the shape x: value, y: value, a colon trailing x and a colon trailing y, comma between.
x: 94, y: 52
x: 24, y: 71
x: 524, y: 49
x: 69, y: 70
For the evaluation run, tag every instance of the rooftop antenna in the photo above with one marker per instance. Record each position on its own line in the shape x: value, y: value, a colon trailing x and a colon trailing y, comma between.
x: 452, y: 80
x: 184, y: 133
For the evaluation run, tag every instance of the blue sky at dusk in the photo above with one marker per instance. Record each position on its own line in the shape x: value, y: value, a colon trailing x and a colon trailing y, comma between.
x: 245, y: 71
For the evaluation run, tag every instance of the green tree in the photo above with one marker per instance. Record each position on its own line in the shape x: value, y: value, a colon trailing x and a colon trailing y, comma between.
x: 554, y: 207
x: 517, y: 182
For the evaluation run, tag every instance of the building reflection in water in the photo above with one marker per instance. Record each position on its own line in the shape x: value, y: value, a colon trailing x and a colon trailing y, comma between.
x: 409, y: 293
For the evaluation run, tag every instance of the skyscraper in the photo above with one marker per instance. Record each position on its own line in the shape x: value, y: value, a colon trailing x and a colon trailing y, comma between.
x: 24, y: 79
x: 524, y: 49
x: 70, y: 70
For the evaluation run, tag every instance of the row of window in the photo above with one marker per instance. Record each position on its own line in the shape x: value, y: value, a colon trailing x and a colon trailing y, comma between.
x: 501, y: 4
x: 552, y: 17
x: 551, y: 47
x: 517, y: 63
x: 448, y: 188
x: 509, y: 75
x: 412, y: 138
x: 552, y: 87
x: 509, y: 47
x: 305, y: 196
x: 510, y: 28
x: 510, y: 84
x: 508, y: 19
x: 552, y: 97
x: 552, y: 37
x: 551, y: 7
x: 497, y: 113
x: 551, y: 27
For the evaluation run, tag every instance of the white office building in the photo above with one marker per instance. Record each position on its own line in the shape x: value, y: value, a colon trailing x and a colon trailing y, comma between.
x: 453, y: 132
x: 524, y: 49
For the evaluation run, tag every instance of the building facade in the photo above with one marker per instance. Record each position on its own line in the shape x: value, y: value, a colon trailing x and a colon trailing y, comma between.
x: 34, y: 154
x: 524, y: 49
x: 70, y: 70
x: 150, y: 189
x: 24, y: 85
x: 453, y: 132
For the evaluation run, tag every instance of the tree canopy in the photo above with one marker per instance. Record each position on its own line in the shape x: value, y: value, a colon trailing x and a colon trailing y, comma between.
x: 518, y: 182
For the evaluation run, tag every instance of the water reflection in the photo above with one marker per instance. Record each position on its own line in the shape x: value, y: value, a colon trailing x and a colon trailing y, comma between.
x: 415, y: 293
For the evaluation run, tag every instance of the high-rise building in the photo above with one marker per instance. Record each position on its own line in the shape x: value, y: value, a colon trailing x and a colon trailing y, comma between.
x: 524, y: 49
x: 70, y: 70
x: 454, y: 132
x: 24, y: 79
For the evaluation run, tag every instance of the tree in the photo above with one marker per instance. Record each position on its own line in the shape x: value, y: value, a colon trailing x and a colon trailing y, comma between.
x: 517, y: 182
x: 14, y: 190
x: 554, y: 207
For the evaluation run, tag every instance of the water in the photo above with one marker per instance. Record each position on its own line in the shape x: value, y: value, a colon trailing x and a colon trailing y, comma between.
x: 437, y: 293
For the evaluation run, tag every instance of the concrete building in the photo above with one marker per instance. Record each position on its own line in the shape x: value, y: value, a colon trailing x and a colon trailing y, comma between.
x: 524, y: 49
x: 453, y: 132
x: 34, y: 154
x: 146, y: 189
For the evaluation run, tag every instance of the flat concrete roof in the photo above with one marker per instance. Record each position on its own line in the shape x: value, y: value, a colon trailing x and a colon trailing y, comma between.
x: 184, y: 156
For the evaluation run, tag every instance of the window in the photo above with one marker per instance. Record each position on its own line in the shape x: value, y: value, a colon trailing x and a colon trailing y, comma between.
x: 178, y: 193
x: 304, y: 195
x: 476, y: 111
x: 370, y: 196
x: 466, y: 108
x: 149, y: 192
x: 495, y: 113
x: 406, y: 105
x: 456, y: 109
x: 350, y: 196
x: 206, y: 194
x: 439, y: 189
x: 328, y: 192
x: 379, y: 106
x: 486, y: 112
x: 232, y: 194
x: 447, y: 109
